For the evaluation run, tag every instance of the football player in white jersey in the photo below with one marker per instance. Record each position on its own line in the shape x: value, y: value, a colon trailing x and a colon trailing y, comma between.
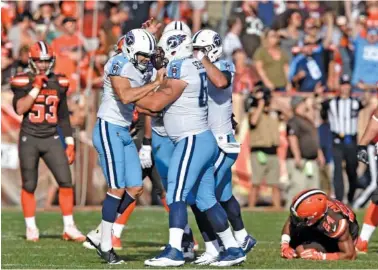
x: 191, y: 167
x: 207, y: 46
x: 126, y: 80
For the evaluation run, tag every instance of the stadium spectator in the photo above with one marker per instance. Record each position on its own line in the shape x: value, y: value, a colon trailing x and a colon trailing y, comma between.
x: 6, y: 64
x: 366, y: 56
x: 265, y: 137
x: 342, y: 113
x: 325, y: 140
x: 22, y: 33
x: 137, y: 13
x: 22, y: 63
x: 304, y: 151
x: 292, y: 34
x: 272, y: 63
x: 232, y: 42
x: 69, y: 51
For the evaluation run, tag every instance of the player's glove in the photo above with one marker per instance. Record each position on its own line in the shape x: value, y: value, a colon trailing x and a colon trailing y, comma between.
x: 145, y: 155
x: 39, y: 80
x: 287, y: 252
x: 70, y: 149
x: 312, y: 254
x: 362, y: 154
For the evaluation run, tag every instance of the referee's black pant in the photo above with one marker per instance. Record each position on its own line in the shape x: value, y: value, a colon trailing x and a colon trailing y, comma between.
x: 345, y: 152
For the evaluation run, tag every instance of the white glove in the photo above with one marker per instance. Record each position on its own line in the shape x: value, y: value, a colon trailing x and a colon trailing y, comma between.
x: 145, y: 156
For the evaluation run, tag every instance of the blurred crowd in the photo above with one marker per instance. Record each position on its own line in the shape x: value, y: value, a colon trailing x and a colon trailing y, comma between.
x: 292, y: 58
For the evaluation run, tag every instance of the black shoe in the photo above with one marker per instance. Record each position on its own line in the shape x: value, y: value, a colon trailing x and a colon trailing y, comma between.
x: 109, y: 256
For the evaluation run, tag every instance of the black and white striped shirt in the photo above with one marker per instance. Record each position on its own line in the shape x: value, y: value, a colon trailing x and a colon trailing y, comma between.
x: 342, y: 115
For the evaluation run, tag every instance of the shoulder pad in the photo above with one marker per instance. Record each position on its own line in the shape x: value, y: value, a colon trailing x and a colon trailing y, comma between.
x: 63, y: 80
x: 225, y: 65
x: 117, y: 63
x: 20, y: 80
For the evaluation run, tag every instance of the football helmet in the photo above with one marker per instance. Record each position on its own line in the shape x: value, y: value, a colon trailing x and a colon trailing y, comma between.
x: 176, y: 44
x: 309, y: 206
x: 139, y: 42
x: 41, y: 51
x: 178, y: 25
x: 209, y: 42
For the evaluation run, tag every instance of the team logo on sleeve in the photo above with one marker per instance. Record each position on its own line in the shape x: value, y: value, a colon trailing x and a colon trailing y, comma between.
x: 217, y: 40
x: 130, y: 38
x: 175, y: 40
x: 174, y: 71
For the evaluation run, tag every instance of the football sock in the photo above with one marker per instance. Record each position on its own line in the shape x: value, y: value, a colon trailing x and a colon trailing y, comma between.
x: 30, y: 222
x: 68, y: 220
x: 203, y: 224
x: 240, y: 235
x: 164, y: 202
x: 178, y: 218
x: 28, y: 207
x: 66, y: 201
x: 232, y: 208
x: 109, y: 214
x: 117, y: 229
x: 212, y: 247
x: 370, y: 222
x: 187, y: 229
x: 125, y: 202
x: 228, y: 239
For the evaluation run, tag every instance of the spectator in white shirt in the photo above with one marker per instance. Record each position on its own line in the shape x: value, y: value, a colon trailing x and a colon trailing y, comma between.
x: 232, y: 42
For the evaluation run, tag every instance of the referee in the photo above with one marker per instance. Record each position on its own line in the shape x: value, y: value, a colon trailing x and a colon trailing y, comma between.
x: 342, y: 112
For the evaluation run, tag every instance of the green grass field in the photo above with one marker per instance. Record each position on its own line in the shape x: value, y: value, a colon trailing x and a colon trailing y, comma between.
x: 145, y: 233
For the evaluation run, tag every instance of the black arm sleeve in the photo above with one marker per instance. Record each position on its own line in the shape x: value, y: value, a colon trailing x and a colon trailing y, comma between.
x: 228, y: 76
x: 64, y: 117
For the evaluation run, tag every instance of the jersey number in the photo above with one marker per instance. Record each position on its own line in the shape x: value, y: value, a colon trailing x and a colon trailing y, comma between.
x: 38, y: 112
x: 203, y: 97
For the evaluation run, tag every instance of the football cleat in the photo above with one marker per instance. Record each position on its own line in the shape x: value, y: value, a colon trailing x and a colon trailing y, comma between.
x: 232, y: 256
x: 169, y: 257
x: 361, y: 246
x: 32, y: 234
x: 205, y: 259
x: 109, y: 256
x: 93, y: 239
x: 248, y: 244
x: 72, y: 233
x: 187, y: 245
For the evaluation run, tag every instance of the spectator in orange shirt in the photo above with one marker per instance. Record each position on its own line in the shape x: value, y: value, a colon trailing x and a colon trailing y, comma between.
x: 69, y: 50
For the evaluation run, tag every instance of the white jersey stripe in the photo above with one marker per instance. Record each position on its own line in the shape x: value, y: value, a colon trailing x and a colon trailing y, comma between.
x: 185, y: 164
x: 108, y: 154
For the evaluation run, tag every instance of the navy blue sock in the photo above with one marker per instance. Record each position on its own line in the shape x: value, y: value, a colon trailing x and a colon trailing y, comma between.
x: 204, y: 225
x: 126, y: 201
x: 217, y: 218
x: 178, y: 215
x: 232, y: 208
x: 109, y: 208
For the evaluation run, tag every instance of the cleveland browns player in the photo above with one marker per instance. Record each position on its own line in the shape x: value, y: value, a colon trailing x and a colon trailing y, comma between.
x: 371, y: 215
x: 40, y: 96
x: 319, y: 228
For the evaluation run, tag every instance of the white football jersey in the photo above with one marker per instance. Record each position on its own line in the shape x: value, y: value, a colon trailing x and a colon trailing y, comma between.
x: 188, y: 114
x: 157, y: 125
x: 220, y: 103
x: 112, y: 109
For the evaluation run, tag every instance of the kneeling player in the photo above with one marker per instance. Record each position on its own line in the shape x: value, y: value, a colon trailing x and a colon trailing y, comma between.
x: 319, y: 228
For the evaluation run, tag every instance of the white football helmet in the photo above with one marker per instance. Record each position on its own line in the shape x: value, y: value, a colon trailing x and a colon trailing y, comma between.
x: 139, y: 42
x: 209, y: 42
x: 176, y: 44
x: 178, y: 25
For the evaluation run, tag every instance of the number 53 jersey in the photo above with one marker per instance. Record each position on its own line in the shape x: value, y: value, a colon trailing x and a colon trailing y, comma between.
x: 188, y: 114
x: 49, y: 108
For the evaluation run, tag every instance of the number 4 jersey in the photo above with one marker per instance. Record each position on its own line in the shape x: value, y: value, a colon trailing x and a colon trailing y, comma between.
x: 49, y: 108
x: 188, y: 114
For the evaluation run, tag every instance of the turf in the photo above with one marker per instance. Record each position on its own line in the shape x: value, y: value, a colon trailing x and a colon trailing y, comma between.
x: 145, y: 233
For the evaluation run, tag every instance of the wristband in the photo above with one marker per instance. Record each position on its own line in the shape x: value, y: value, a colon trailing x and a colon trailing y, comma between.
x: 375, y: 118
x: 285, y: 238
x: 34, y: 92
x: 200, y: 55
x: 146, y: 141
x: 69, y: 141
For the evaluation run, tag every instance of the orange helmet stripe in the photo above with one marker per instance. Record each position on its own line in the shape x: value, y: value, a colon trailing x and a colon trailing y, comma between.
x: 304, y: 196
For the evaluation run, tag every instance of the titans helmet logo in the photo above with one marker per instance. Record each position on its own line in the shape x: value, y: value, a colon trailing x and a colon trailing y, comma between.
x: 130, y: 38
x: 217, y: 40
x: 174, y: 41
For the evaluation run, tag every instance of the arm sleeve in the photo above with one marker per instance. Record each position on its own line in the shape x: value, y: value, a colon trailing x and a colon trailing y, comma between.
x: 64, y: 117
x: 292, y: 128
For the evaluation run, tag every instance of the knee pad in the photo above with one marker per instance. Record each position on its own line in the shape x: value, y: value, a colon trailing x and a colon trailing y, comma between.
x: 29, y: 180
x: 374, y: 196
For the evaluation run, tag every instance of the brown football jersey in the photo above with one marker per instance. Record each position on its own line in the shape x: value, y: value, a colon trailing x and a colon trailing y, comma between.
x: 49, y: 109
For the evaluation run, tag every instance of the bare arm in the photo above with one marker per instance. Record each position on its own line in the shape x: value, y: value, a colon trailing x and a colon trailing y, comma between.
x: 262, y: 74
x: 371, y: 130
x: 216, y: 76
x: 146, y: 112
x: 328, y: 38
x: 286, y: 227
x: 294, y: 147
x: 128, y: 94
x: 147, y: 127
x: 158, y: 100
x: 346, y: 246
x: 255, y: 115
x: 24, y: 104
